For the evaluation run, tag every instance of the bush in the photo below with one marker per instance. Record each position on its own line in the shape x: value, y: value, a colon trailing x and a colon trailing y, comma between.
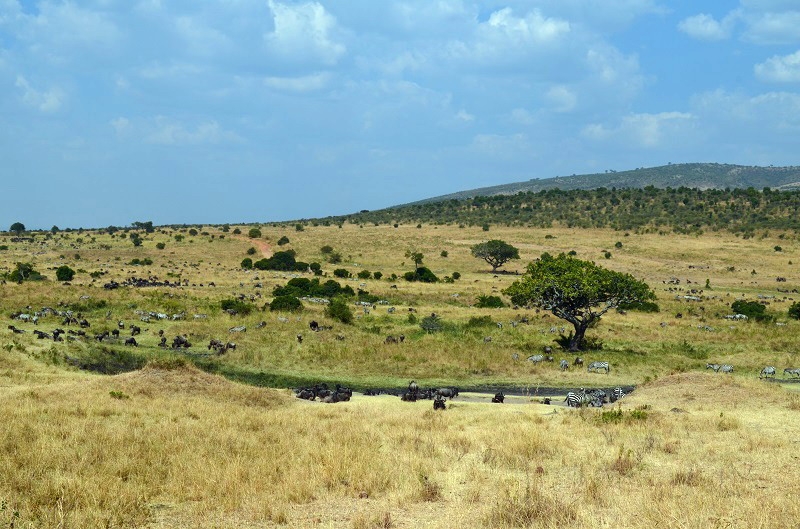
x: 141, y: 262
x: 316, y: 268
x: 65, y: 273
x: 24, y: 272
x: 283, y: 261
x: 456, y: 276
x: 247, y: 263
x: 778, y: 249
x: 421, y: 274
x: 377, y: 275
x: 300, y: 266
x: 298, y: 227
x: 236, y: 306
x: 341, y: 272
x: 431, y: 324
x: 254, y: 233
x: 364, y: 274
x: 335, y: 258
x: 283, y: 240
x: 794, y: 310
x: 161, y: 245
x: 193, y: 232
x: 618, y: 245
x: 326, y: 249
x: 752, y: 309
x: 607, y: 255
x: 286, y: 304
x: 338, y: 309
x: 480, y: 321
x: 251, y: 251
x: 237, y: 231
x: 490, y: 302
x: 178, y: 238
x: 444, y: 253
x: 644, y: 306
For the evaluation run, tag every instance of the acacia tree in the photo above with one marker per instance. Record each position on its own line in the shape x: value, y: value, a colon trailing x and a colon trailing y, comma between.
x: 17, y: 228
x: 495, y: 252
x: 417, y: 257
x: 577, y: 291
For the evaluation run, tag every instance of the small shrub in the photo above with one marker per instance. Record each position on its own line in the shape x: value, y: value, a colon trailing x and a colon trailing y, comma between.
x: 118, y: 395
x: 456, y: 276
x: 778, y: 249
x: 342, y: 273
x: 422, y: 274
x: 251, y: 251
x: 479, y: 321
x: 431, y: 324
x: 247, y: 263
x: 444, y: 253
x: 618, y: 245
x: 193, y: 232
x: 297, y: 227
x: 485, y: 226
x: 161, y: 245
x: 794, y: 310
x: 286, y: 304
x: 237, y: 231
x: 65, y: 273
x: 607, y: 255
x: 377, y: 275
x: 490, y: 302
x: 335, y: 258
x: 316, y: 268
x: 364, y: 274
x: 283, y: 240
x: 338, y: 309
x: 325, y: 250
x: 254, y: 233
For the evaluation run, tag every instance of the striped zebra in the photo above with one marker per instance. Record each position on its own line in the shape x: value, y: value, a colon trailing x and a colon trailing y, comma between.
x: 597, y: 396
x: 617, y: 394
x: 793, y: 372
x: 564, y: 365
x: 715, y: 367
x: 576, y: 400
x: 535, y: 358
x: 595, y: 366
x: 768, y: 371
x: 726, y: 368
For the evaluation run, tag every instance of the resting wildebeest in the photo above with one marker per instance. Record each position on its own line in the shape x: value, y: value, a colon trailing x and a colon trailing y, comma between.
x: 450, y: 393
x: 498, y: 398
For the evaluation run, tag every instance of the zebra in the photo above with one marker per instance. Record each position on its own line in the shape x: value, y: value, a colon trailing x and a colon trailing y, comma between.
x: 597, y: 396
x: 536, y: 358
x: 594, y: 366
x: 726, y: 368
x: 564, y: 365
x: 715, y: 367
x: 576, y: 400
x: 767, y: 371
x: 794, y: 372
x: 617, y: 394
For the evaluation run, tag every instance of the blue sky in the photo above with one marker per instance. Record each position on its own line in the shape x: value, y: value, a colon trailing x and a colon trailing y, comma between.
x: 186, y: 111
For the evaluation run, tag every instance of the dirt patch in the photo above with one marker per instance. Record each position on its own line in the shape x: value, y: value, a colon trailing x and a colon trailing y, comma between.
x: 258, y: 244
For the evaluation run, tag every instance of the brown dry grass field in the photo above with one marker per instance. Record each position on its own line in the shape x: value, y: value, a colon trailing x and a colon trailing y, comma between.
x: 170, y: 445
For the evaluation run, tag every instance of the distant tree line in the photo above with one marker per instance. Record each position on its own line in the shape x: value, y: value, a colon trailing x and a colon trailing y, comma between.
x: 681, y: 210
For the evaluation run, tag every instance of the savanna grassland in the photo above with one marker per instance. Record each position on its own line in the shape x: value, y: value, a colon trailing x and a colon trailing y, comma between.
x: 194, y: 439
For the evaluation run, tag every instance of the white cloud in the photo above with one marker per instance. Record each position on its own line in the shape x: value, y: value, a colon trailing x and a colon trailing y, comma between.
x: 781, y: 69
x: 780, y: 27
x: 705, y: 27
x: 645, y: 130
x: 463, y: 115
x: 771, y: 112
x: 562, y: 98
x: 307, y: 83
x: 169, y: 132
x: 304, y: 32
x: 120, y: 125
x: 46, y: 101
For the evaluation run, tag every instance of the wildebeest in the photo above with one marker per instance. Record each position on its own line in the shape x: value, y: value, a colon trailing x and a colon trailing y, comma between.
x: 131, y: 341
x: 391, y: 339
x: 15, y: 330
x: 564, y: 365
x: 180, y: 341
x: 498, y: 398
x: 793, y: 372
x: 438, y: 403
x: 450, y: 393
x: 578, y: 361
x: 135, y: 330
x: 299, y: 338
x: 314, y: 326
x: 115, y: 333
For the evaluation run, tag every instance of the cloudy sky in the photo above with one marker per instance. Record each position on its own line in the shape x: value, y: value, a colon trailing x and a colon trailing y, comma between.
x: 187, y: 111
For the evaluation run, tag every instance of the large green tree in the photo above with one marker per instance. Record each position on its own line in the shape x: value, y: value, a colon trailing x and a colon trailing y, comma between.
x: 495, y: 252
x: 577, y: 291
x: 17, y: 228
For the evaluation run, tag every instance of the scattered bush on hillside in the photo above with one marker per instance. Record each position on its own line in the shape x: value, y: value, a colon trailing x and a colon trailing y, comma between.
x: 251, y: 251
x: 338, y: 309
x: 301, y: 286
x: 342, y: 273
x: 377, y: 275
x: 247, y: 263
x: 254, y: 233
x: 286, y: 304
x: 643, y: 306
x: 65, y: 273
x: 24, y: 272
x: 421, y: 274
x: 364, y: 274
x: 489, y: 302
x: 753, y: 310
x: 236, y: 306
x: 316, y: 268
x: 283, y: 240
x: 794, y: 310
x: 283, y: 261
x: 327, y: 249
x: 479, y: 321
x: 161, y: 245
x: 431, y: 324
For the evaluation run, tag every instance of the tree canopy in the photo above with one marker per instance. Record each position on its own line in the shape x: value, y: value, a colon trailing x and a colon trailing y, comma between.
x: 495, y: 252
x: 577, y: 291
x: 17, y: 228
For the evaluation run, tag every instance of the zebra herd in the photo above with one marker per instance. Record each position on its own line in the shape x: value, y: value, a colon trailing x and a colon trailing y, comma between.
x: 766, y: 372
x: 592, y: 397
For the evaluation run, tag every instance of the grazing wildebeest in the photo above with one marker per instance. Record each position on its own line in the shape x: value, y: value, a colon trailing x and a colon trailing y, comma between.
x: 498, y: 398
x: 793, y: 372
x: 131, y: 341
x: 135, y: 330
x: 578, y: 361
x: 115, y: 333
x: 84, y: 324
x: 390, y: 339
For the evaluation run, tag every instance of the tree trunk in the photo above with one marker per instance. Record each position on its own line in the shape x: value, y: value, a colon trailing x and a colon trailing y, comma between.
x: 577, y: 339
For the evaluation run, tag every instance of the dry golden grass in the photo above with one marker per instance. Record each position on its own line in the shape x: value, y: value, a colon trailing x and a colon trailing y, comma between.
x: 171, y: 446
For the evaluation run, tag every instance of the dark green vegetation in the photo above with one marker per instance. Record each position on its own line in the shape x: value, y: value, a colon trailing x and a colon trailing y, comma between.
x: 495, y: 252
x: 689, y: 175
x: 577, y: 291
x: 65, y: 273
x: 678, y: 210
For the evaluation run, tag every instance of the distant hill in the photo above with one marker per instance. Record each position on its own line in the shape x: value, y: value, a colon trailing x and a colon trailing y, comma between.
x: 691, y: 175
